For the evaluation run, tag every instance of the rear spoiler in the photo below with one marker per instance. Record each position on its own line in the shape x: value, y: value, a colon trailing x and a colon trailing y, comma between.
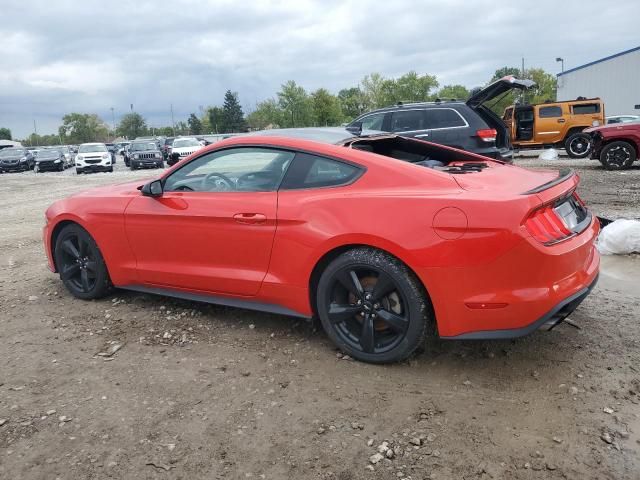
x: 563, y: 175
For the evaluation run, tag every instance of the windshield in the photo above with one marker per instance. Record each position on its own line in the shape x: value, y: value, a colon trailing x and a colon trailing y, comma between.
x: 11, y: 152
x: 96, y: 147
x: 48, y: 154
x: 137, y: 147
x: 185, y: 142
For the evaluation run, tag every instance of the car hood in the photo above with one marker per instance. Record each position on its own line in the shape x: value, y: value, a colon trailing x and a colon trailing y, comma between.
x: 143, y: 151
x: 614, y: 127
x: 12, y: 157
x: 497, y: 88
x: 117, y: 190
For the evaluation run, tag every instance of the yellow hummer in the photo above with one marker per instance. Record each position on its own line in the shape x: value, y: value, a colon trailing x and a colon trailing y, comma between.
x: 555, y: 124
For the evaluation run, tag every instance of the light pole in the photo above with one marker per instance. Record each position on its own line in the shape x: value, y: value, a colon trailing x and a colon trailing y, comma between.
x: 113, y: 121
x: 561, y: 60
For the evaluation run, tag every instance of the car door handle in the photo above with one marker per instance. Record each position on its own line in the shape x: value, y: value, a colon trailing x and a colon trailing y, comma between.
x: 561, y: 120
x: 250, y: 218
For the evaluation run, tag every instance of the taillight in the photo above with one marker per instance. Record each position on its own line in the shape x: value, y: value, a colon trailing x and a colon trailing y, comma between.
x: 546, y: 226
x: 487, y: 134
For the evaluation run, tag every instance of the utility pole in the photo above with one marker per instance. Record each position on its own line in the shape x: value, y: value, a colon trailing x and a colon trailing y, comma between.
x: 113, y: 120
x: 173, y: 124
x: 524, y: 91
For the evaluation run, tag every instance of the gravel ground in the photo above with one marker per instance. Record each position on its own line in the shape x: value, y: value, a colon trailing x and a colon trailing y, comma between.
x: 197, y: 391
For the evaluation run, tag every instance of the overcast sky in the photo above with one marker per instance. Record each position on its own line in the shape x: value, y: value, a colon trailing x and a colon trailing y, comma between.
x: 85, y: 56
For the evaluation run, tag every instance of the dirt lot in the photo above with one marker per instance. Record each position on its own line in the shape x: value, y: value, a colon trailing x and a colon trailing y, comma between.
x: 200, y: 391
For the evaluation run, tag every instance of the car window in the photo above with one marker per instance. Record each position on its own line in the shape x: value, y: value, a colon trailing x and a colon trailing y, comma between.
x: 549, y: 112
x: 586, y: 109
x: 373, y: 121
x: 245, y: 169
x: 408, y: 120
x: 312, y: 171
x: 443, y: 118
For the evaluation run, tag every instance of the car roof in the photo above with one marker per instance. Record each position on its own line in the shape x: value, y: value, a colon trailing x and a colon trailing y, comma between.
x: 331, y: 135
x: 406, y: 105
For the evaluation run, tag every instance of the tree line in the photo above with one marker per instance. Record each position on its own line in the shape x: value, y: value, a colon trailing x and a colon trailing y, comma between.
x: 293, y: 106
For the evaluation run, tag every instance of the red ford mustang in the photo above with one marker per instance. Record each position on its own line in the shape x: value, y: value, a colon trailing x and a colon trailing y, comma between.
x: 386, y: 239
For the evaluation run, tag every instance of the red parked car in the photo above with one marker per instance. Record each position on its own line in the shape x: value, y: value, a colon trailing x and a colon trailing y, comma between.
x: 386, y: 239
x: 616, y: 145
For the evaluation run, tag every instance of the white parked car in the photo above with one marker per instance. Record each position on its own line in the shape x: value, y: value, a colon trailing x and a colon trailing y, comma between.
x: 93, y: 157
x: 623, y: 119
x: 183, y: 147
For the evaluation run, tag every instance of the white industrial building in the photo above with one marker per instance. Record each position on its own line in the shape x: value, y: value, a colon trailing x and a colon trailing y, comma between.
x: 615, y: 79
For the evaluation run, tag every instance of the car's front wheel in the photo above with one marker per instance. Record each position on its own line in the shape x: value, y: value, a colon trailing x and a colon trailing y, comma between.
x: 617, y: 155
x: 80, y: 263
x: 578, y: 145
x: 372, y: 306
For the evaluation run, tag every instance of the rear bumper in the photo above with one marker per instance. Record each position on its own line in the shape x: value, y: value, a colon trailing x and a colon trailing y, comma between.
x: 548, y: 321
x: 515, y: 293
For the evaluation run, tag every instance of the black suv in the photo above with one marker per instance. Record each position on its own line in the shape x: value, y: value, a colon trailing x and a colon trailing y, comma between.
x: 145, y: 154
x: 466, y: 125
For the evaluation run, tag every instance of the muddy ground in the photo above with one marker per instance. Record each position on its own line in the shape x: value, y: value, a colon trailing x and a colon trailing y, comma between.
x: 199, y: 391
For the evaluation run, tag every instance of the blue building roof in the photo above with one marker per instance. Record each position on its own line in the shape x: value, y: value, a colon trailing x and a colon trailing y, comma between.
x: 599, y: 61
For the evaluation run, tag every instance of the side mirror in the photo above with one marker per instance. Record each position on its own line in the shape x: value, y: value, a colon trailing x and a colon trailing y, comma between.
x: 355, y: 128
x: 152, y: 189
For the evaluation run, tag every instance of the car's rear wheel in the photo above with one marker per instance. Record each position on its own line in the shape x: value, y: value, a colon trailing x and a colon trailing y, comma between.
x: 578, y: 145
x: 80, y: 263
x: 617, y: 155
x: 372, y: 306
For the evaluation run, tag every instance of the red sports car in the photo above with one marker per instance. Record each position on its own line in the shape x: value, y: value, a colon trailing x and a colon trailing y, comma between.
x: 386, y: 239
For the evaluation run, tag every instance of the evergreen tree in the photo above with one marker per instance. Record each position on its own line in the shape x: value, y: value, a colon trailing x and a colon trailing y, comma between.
x: 232, y: 115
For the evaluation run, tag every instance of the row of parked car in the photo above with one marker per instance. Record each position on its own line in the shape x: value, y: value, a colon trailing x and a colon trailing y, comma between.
x: 143, y: 152
x: 579, y: 126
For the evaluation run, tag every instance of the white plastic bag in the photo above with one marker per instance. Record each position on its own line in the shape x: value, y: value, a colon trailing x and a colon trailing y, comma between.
x: 620, y: 237
x: 549, y: 154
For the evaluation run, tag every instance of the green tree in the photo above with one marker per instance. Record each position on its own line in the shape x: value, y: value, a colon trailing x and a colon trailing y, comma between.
x: 5, y: 134
x: 182, y: 128
x: 410, y: 87
x: 131, y: 126
x: 449, y: 92
x: 295, y: 104
x: 372, y: 88
x: 232, y: 114
x: 326, y: 108
x: 353, y: 102
x: 545, y: 89
x: 42, y: 140
x: 195, y: 125
x: 267, y: 114
x: 215, y: 117
x: 82, y: 128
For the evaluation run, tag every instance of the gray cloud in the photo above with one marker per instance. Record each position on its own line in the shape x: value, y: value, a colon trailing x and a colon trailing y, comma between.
x: 89, y: 56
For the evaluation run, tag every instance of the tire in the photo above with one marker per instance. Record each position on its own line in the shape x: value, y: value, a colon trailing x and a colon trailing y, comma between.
x: 80, y: 263
x: 61, y: 167
x: 617, y: 155
x: 578, y: 145
x: 373, y: 307
x: 132, y: 166
x: 111, y: 170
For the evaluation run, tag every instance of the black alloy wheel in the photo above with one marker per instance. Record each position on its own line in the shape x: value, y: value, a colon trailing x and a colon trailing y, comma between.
x: 80, y: 263
x: 372, y: 306
x: 617, y: 155
x: 578, y: 145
